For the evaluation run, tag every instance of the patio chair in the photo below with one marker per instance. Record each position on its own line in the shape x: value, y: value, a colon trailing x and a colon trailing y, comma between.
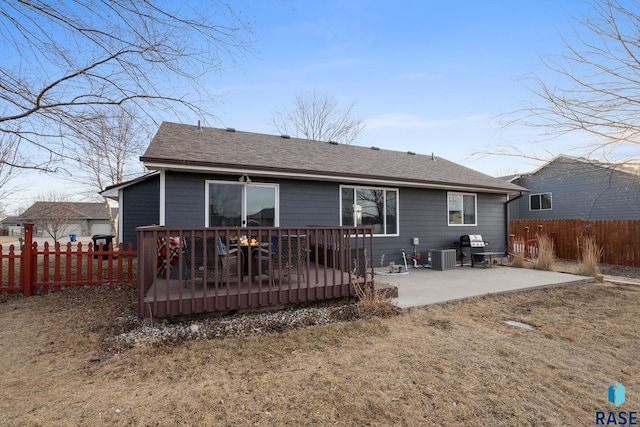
x: 283, y: 258
x: 218, y: 258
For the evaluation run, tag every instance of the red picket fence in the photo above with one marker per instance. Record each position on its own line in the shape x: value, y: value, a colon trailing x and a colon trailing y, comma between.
x: 34, y: 269
x: 527, y: 244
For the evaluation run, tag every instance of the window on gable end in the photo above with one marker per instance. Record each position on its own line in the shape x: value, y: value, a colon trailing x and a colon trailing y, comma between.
x: 540, y: 202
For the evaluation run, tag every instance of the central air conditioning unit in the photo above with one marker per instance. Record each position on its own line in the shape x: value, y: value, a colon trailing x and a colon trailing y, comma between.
x: 443, y: 260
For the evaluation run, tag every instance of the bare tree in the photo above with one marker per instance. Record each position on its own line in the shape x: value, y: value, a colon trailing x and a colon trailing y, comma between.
x: 109, y: 144
x: 596, y: 85
x: 65, y: 60
x: 319, y: 118
x: 54, y: 214
x: 109, y: 147
x: 8, y: 173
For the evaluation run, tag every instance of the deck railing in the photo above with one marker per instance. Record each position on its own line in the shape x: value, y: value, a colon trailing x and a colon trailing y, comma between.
x: 185, y: 271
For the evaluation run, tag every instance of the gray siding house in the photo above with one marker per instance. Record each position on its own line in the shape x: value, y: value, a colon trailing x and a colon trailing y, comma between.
x: 208, y: 177
x: 569, y: 187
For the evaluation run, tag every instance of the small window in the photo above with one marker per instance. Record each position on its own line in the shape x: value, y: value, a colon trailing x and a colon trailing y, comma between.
x: 540, y: 202
x: 462, y: 209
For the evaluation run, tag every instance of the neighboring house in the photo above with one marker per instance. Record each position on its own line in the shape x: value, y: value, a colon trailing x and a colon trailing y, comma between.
x: 65, y: 218
x: 209, y: 177
x: 11, y: 226
x: 568, y: 187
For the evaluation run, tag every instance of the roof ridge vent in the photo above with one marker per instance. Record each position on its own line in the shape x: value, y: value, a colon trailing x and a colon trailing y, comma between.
x: 285, y: 136
x: 231, y: 129
x: 375, y: 148
x: 411, y: 153
x: 333, y: 142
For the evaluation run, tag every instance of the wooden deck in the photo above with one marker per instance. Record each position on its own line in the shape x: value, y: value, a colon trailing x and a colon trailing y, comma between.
x: 173, y: 262
x: 171, y: 297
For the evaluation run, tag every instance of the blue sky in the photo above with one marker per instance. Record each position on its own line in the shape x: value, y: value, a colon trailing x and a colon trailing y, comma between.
x: 426, y: 76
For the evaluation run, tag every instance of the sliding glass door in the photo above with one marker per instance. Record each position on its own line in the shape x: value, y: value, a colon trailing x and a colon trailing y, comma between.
x: 260, y: 206
x: 240, y: 204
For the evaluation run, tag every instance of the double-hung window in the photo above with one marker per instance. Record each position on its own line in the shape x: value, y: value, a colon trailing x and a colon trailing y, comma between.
x: 462, y: 209
x: 368, y: 206
x: 237, y: 204
x: 540, y: 202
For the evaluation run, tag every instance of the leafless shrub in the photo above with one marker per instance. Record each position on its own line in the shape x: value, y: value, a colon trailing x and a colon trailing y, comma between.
x: 371, y: 302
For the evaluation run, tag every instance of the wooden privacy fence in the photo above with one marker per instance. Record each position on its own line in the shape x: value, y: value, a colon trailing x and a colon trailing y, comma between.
x: 619, y: 239
x: 34, y: 269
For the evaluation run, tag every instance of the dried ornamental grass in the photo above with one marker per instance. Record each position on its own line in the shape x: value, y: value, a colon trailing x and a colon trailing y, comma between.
x: 589, y: 256
x: 546, y: 256
x: 517, y: 259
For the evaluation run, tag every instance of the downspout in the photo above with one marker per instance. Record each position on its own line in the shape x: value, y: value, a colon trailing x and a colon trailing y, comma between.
x: 506, y: 211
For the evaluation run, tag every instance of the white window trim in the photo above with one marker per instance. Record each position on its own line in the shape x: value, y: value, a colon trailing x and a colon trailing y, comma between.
x: 475, y: 210
x: 163, y: 198
x: 244, y: 198
x: 364, y: 187
x: 541, y: 208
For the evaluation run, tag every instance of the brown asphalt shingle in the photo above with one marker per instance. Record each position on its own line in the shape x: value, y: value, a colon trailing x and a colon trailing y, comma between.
x: 179, y: 144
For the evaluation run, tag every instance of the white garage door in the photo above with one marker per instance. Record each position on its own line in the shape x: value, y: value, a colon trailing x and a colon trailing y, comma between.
x: 100, y: 229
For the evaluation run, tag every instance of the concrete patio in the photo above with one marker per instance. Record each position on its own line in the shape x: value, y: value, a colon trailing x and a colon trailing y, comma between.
x: 423, y: 286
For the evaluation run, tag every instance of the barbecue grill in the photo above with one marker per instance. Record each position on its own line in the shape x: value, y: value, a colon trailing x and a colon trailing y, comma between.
x: 469, y: 245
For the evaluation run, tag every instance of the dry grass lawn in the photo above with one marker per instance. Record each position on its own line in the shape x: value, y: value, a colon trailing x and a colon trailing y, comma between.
x: 451, y: 364
x: 6, y: 239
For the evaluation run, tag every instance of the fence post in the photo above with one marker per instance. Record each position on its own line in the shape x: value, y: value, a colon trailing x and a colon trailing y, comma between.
x: 512, y: 249
x: 527, y: 253
x: 25, y: 259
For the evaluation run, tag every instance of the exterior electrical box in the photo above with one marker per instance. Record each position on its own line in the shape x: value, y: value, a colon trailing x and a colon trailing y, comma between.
x: 415, y: 241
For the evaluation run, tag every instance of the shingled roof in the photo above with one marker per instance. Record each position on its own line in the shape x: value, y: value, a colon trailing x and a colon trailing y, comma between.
x: 193, y: 148
x: 82, y: 210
